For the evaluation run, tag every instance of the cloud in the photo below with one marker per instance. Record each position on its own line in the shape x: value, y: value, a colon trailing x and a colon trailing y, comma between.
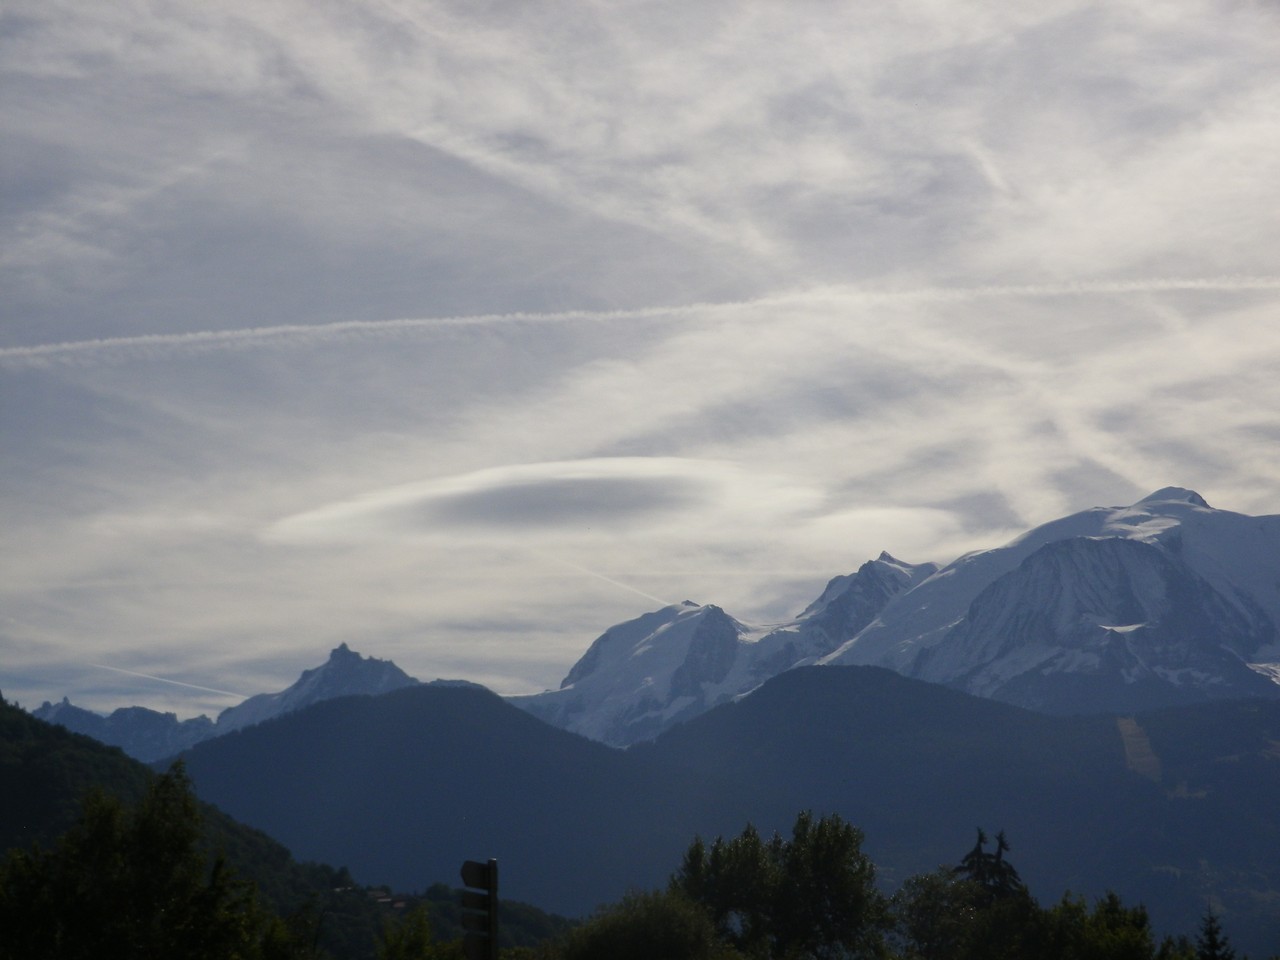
x: 611, y: 494
x: 371, y: 157
x: 739, y: 454
x: 459, y: 332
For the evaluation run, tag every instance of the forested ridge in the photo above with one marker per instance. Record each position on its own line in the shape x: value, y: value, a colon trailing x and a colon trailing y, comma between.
x: 403, y: 787
x: 96, y: 842
x: 108, y: 858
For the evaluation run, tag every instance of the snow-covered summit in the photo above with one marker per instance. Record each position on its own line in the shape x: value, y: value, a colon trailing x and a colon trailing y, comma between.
x: 1161, y: 601
x: 345, y: 673
x: 1175, y: 495
x: 642, y: 676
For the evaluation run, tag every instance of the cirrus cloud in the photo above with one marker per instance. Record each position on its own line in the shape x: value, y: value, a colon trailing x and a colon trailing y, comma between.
x: 459, y: 332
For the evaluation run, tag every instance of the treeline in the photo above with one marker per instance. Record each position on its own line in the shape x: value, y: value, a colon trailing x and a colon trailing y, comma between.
x: 138, y: 880
x: 154, y: 878
x: 814, y: 896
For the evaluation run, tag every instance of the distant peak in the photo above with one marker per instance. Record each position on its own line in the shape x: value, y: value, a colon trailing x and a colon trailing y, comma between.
x: 343, y: 652
x: 1179, y: 494
x: 690, y: 603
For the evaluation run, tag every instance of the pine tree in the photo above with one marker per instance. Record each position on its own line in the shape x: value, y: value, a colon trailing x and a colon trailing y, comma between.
x: 1212, y: 943
x: 132, y: 883
x: 995, y: 875
x: 812, y: 895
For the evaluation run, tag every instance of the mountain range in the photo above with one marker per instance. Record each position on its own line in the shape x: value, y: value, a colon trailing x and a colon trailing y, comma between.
x: 1162, y: 602
x: 1114, y: 609
x: 149, y: 735
x: 1101, y: 688
x: 1173, y: 808
x: 48, y: 771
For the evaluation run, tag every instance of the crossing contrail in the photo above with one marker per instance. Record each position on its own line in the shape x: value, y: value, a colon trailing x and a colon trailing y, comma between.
x: 176, y: 683
x: 600, y: 576
x: 161, y: 345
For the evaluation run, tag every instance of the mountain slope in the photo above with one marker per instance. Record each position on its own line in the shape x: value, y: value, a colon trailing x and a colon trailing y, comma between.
x: 345, y: 673
x: 142, y: 733
x: 641, y: 676
x: 918, y: 766
x: 648, y: 674
x: 47, y: 770
x: 148, y: 735
x: 1101, y: 624
x: 402, y: 788
x: 407, y: 785
x: 1163, y: 602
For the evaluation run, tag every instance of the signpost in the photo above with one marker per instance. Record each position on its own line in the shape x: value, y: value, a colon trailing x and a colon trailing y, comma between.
x: 480, y: 910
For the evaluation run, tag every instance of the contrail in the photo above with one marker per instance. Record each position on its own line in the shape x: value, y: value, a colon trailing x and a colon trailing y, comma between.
x: 600, y: 576
x: 160, y: 345
x: 1091, y: 288
x: 176, y: 683
x: 118, y: 349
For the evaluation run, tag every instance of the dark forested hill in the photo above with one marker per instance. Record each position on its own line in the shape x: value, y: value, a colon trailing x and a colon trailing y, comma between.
x: 916, y: 765
x: 403, y: 787
x: 1176, y: 809
x: 46, y: 772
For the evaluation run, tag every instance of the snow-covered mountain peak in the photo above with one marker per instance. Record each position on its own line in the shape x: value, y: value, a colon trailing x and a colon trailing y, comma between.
x: 640, y: 677
x: 345, y: 673
x: 1175, y: 495
x: 887, y: 558
x: 1158, y: 517
x: 1161, y: 601
x: 1132, y: 603
x: 883, y: 576
x: 1127, y: 620
x: 618, y: 645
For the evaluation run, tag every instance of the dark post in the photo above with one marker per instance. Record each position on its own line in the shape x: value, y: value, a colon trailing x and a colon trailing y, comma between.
x: 480, y: 910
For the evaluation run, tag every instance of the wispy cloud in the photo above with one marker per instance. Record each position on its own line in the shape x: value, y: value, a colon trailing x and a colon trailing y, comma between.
x: 459, y: 334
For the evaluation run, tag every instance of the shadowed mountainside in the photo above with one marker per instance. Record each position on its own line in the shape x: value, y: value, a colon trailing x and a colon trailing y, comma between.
x: 403, y: 787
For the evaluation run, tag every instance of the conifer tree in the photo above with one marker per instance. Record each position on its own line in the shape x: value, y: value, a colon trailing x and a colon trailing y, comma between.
x: 132, y: 883
x: 1212, y: 943
x: 812, y: 895
x: 995, y: 875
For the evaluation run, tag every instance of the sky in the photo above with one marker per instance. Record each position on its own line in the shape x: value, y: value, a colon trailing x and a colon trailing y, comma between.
x: 461, y: 331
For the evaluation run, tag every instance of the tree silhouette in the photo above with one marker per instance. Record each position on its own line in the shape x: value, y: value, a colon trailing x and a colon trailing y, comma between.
x: 993, y: 874
x: 813, y: 895
x: 1212, y: 943
x: 935, y: 914
x: 133, y: 883
x: 645, y: 926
